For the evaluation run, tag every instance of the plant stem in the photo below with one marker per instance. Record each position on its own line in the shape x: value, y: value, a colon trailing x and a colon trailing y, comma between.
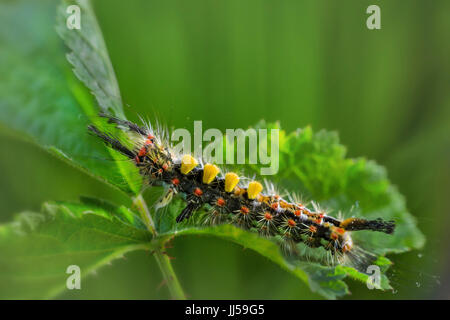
x: 170, y: 278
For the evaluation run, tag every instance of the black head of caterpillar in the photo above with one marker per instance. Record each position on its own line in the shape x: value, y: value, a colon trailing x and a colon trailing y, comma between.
x: 246, y: 206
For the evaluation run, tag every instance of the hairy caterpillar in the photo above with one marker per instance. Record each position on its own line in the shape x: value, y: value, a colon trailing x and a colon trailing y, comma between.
x: 228, y: 200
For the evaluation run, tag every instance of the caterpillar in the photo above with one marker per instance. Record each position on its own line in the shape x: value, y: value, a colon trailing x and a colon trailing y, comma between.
x: 229, y: 200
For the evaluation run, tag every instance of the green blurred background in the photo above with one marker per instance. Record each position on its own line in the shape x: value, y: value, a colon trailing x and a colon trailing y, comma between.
x: 231, y: 63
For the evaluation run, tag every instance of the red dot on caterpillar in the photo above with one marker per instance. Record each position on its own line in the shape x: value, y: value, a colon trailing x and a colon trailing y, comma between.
x: 220, y: 202
x: 291, y: 223
x: 175, y: 181
x: 313, y: 229
x: 142, y: 152
x: 274, y: 206
x: 137, y: 159
x: 298, y: 213
x: 198, y: 192
x: 268, y: 216
x: 165, y: 166
x: 244, y: 210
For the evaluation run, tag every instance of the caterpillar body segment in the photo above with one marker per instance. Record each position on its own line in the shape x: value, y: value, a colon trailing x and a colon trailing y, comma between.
x: 230, y: 201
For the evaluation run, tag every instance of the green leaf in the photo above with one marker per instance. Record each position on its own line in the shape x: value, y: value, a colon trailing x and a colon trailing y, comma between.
x: 37, y: 248
x: 89, y: 57
x: 42, y: 101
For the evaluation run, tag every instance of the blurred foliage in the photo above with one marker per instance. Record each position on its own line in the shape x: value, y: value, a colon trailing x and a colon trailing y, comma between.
x: 37, y: 248
x: 300, y: 62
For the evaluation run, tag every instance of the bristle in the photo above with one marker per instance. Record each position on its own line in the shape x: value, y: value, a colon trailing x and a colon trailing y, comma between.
x: 113, y: 143
x: 356, y: 224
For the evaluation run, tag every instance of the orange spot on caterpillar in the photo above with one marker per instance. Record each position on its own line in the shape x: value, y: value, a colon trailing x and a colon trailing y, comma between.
x: 298, y: 213
x: 347, y: 247
x: 339, y: 230
x: 150, y: 137
x: 319, y: 218
x: 165, y: 166
x: 137, y: 159
x: 334, y: 236
x: 238, y: 191
x: 285, y: 205
x: 274, y: 206
x: 175, y: 181
x: 291, y: 223
x: 160, y: 171
x: 142, y: 152
x: 148, y: 142
x: 220, y: 202
x: 313, y: 229
x: 198, y: 192
x: 268, y: 216
x: 244, y: 210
